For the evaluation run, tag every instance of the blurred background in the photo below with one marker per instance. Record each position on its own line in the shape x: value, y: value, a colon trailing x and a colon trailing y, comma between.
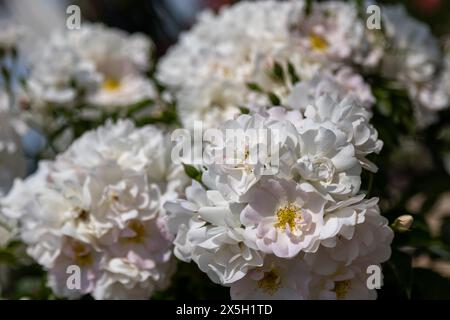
x: 163, y: 20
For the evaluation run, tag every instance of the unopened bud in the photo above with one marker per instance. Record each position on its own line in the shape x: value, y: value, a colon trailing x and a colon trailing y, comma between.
x: 403, y: 223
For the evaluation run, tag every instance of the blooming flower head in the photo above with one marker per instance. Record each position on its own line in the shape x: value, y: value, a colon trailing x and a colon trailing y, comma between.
x: 209, y: 232
x: 100, y: 208
x: 354, y: 232
x: 253, y: 146
x: 328, y: 161
x: 58, y: 73
x: 331, y: 29
x: 283, y: 217
x: 349, y: 283
x: 342, y: 83
x: 120, y: 59
x: 209, y: 70
x: 351, y: 119
x: 277, y: 279
x: 414, y: 59
x: 96, y: 65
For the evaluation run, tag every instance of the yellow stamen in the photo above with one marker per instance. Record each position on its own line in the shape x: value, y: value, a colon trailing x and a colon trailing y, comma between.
x: 246, y: 154
x: 111, y: 84
x: 317, y: 42
x: 271, y: 282
x: 83, y: 256
x: 139, y: 231
x: 341, y: 288
x: 289, y: 214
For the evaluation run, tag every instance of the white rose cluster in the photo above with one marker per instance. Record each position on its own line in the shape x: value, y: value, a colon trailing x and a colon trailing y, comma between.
x: 282, y: 214
x: 210, y: 68
x: 295, y: 228
x: 99, y: 207
x: 101, y: 66
x: 415, y: 60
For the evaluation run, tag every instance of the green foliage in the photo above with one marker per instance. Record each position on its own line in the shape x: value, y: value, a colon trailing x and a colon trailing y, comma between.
x: 274, y: 100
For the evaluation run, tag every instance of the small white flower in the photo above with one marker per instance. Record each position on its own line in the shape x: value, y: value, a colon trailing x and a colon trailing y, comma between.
x: 415, y: 54
x: 121, y: 93
x: 213, y: 102
x: 283, y: 217
x: 101, y: 66
x: 348, y: 283
x: 350, y: 118
x: 332, y: 29
x: 353, y: 231
x: 58, y: 72
x: 414, y: 59
x: 277, y: 279
x: 261, y: 147
x: 131, y: 278
x: 328, y: 161
x: 72, y: 253
x: 209, y: 232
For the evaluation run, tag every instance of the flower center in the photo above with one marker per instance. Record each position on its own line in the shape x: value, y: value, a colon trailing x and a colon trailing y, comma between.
x: 83, y: 255
x: 341, y: 288
x: 139, y: 231
x: 288, y: 215
x: 111, y: 84
x: 81, y: 214
x: 271, y: 282
x: 317, y: 42
x: 246, y: 153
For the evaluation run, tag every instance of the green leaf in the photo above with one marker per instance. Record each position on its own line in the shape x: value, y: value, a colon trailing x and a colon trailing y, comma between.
x: 308, y: 7
x: 138, y: 107
x: 5, y: 73
x: 274, y: 100
x: 278, y: 72
x: 292, y: 73
x: 254, y: 87
x: 7, y: 257
x: 244, y: 110
x: 401, y: 266
x: 192, y: 172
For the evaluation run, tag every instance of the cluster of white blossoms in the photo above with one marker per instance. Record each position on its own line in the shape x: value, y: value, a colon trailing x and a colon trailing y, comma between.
x: 293, y: 224
x: 97, y: 65
x: 99, y: 207
x: 282, y: 216
x: 211, y: 66
x: 414, y: 59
